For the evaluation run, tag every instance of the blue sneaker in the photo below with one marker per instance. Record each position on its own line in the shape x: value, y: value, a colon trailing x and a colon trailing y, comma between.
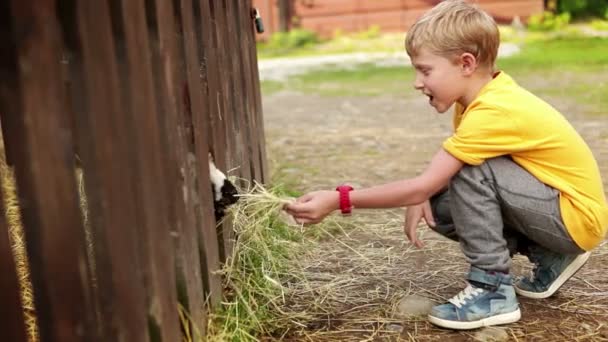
x: 476, y: 307
x: 552, y: 270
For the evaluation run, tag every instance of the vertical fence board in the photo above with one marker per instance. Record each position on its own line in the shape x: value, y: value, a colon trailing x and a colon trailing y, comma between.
x: 207, y: 224
x: 244, y: 28
x: 45, y: 176
x: 237, y: 86
x: 9, y: 87
x: 12, y: 324
x: 155, y: 231
x: 170, y: 66
x: 215, y: 104
x: 73, y: 79
x: 224, y: 66
x: 259, y: 117
x: 106, y: 161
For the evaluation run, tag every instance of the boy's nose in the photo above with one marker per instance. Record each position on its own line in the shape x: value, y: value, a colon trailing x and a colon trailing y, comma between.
x: 418, y: 84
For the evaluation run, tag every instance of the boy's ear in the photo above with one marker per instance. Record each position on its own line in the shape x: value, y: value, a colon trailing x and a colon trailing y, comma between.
x: 468, y: 63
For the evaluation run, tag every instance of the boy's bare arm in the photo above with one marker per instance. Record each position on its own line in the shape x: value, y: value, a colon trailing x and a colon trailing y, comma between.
x: 411, y: 191
x: 314, y: 206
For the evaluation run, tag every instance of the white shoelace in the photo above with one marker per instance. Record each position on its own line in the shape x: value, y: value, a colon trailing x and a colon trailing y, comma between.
x: 468, y: 293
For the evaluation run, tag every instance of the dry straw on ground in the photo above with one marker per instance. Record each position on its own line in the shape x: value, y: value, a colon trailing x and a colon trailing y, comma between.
x: 17, y: 240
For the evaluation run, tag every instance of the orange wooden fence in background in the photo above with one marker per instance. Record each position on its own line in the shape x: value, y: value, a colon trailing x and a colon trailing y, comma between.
x: 326, y: 16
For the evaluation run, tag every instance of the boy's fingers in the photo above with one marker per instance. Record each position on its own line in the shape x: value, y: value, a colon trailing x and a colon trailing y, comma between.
x: 296, y: 208
x: 411, y: 233
x: 430, y: 221
x: 304, y: 198
x: 428, y: 216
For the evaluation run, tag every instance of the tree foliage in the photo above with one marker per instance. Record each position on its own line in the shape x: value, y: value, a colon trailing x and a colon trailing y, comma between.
x: 579, y: 8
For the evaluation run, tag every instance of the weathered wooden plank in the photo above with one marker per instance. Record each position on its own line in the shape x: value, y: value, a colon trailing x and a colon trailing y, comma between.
x: 244, y: 28
x: 208, y: 237
x: 237, y: 85
x: 258, y: 114
x: 212, y: 85
x: 155, y: 230
x: 223, y: 57
x: 12, y: 322
x: 44, y: 168
x: 9, y: 74
x: 180, y: 174
x: 225, y: 231
x: 106, y: 159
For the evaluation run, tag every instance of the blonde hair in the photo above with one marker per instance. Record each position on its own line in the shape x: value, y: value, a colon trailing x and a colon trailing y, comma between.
x: 454, y: 27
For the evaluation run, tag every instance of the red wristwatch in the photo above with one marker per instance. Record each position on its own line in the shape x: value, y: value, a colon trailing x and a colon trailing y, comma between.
x: 344, y: 191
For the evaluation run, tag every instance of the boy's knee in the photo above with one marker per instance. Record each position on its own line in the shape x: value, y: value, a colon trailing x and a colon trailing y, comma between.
x: 446, y: 229
x: 440, y: 207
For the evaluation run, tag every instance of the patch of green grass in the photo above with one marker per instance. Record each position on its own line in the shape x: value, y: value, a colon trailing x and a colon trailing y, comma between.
x: 583, y: 54
x: 254, y: 272
x: 271, y: 87
x: 263, y: 261
x: 600, y: 25
x: 364, y: 80
x: 583, y: 58
x: 579, y: 68
x: 366, y: 41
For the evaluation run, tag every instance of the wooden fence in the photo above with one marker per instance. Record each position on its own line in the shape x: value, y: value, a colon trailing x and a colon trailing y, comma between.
x: 326, y: 16
x: 131, y: 96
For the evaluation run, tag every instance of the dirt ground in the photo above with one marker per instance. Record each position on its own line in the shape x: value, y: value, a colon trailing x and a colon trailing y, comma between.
x: 354, y: 282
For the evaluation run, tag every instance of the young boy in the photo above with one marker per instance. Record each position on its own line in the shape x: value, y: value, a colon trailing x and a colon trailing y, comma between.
x: 514, y: 177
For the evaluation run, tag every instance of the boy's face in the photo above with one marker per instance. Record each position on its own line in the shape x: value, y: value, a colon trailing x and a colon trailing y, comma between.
x: 439, y: 78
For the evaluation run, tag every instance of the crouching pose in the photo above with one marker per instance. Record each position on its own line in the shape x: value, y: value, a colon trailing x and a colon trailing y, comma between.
x: 515, y: 177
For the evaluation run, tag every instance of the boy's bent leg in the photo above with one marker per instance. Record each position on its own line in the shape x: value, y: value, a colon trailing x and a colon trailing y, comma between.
x: 444, y: 224
x: 476, y: 211
x: 490, y: 298
x: 440, y: 207
x: 532, y: 208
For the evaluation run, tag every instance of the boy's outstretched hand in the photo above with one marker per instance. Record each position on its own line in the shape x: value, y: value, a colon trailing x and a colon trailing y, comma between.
x: 413, y: 215
x: 314, y: 206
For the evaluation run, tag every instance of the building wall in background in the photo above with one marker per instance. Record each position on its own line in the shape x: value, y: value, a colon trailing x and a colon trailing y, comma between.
x: 326, y: 16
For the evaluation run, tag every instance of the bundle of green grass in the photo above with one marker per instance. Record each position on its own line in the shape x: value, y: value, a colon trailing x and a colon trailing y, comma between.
x: 267, y: 239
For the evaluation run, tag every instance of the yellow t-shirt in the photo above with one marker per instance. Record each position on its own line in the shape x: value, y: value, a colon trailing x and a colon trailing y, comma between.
x: 506, y: 119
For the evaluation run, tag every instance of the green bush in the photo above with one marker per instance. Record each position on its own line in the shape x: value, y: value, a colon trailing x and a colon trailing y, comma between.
x: 372, y: 32
x: 600, y: 25
x: 548, y: 21
x: 293, y: 39
x: 583, y: 8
